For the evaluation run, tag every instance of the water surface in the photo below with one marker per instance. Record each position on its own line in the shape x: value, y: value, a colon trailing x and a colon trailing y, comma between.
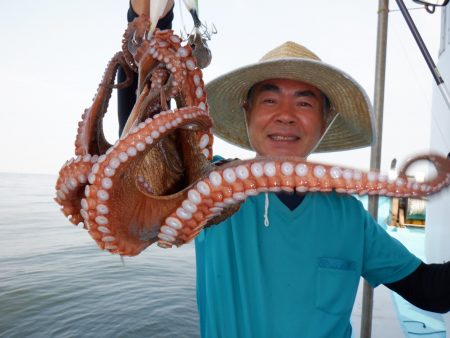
x: 56, y: 282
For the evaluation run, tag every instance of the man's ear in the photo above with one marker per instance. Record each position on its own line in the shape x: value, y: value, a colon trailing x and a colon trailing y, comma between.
x: 246, y: 109
x: 245, y: 106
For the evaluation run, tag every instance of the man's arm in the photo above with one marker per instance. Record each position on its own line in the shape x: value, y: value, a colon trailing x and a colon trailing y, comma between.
x: 428, y: 287
x: 143, y: 7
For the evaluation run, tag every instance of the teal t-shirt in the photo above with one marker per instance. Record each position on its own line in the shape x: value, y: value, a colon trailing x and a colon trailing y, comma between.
x: 298, y: 276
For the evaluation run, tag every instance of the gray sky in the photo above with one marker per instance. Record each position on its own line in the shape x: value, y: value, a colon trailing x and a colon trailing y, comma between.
x: 54, y: 54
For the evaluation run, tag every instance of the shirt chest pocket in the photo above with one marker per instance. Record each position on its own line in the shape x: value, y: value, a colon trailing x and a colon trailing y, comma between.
x: 337, y: 283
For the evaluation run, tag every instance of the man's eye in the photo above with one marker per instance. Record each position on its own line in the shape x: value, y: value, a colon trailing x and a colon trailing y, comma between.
x: 269, y: 101
x: 304, y: 104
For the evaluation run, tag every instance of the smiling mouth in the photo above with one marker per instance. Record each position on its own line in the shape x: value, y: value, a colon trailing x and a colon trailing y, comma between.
x: 283, y: 138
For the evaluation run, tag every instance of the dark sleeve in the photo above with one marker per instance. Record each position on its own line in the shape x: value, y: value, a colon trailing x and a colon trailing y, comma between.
x: 428, y: 287
x: 126, y: 97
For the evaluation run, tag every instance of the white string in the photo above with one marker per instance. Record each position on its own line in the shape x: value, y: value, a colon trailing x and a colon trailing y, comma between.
x: 180, y: 6
x: 266, y: 210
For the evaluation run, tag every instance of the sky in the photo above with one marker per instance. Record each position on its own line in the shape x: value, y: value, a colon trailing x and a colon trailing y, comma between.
x: 54, y: 54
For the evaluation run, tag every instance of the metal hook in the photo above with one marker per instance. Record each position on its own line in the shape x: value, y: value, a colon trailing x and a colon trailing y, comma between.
x: 430, y: 8
x: 133, y: 39
x: 214, y: 29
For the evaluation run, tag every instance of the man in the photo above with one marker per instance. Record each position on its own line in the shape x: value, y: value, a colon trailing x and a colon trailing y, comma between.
x: 288, y: 265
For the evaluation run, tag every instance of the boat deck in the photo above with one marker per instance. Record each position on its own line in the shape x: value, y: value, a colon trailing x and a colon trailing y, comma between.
x: 392, y: 315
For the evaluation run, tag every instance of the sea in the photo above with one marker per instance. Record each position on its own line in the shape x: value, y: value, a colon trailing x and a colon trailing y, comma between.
x: 56, y: 282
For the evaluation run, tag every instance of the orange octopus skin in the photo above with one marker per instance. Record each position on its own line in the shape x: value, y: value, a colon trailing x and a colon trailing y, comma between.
x: 307, y: 176
x: 156, y: 183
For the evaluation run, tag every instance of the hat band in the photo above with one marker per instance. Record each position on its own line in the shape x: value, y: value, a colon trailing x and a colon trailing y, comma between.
x: 330, y: 121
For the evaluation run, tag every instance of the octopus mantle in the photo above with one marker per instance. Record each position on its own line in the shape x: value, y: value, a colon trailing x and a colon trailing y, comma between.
x: 156, y: 183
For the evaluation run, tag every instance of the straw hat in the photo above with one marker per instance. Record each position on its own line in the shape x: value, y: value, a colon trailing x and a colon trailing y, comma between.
x: 352, y: 127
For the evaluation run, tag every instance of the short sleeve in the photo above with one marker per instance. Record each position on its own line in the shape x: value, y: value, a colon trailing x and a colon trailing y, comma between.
x: 386, y: 260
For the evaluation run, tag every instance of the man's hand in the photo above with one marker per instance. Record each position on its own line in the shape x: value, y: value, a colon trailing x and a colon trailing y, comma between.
x: 143, y: 6
x: 155, y: 9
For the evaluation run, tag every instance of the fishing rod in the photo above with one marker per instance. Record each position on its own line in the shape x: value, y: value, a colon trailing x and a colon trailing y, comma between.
x: 423, y: 48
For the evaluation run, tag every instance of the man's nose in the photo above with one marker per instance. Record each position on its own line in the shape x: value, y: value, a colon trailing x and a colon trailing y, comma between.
x: 285, y: 114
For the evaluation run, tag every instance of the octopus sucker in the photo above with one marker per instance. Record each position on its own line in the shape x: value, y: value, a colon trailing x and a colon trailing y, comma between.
x: 70, y: 188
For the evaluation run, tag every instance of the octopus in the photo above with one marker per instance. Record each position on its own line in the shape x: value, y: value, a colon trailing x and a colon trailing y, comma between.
x: 157, y: 184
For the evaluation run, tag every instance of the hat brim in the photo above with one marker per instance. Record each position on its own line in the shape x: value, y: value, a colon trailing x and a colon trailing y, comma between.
x: 353, y: 127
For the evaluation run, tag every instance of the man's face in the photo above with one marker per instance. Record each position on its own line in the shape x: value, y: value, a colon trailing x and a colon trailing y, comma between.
x: 285, y: 118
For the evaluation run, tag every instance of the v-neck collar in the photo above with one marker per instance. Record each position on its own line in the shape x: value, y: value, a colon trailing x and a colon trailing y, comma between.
x: 292, y: 201
x: 285, y: 212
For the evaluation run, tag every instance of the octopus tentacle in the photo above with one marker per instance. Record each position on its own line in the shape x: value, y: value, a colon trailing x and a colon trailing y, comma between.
x: 70, y: 186
x: 128, y: 232
x: 133, y: 37
x: 90, y: 138
x: 89, y: 143
x: 234, y: 182
x: 165, y: 48
x: 171, y: 64
x: 433, y: 185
